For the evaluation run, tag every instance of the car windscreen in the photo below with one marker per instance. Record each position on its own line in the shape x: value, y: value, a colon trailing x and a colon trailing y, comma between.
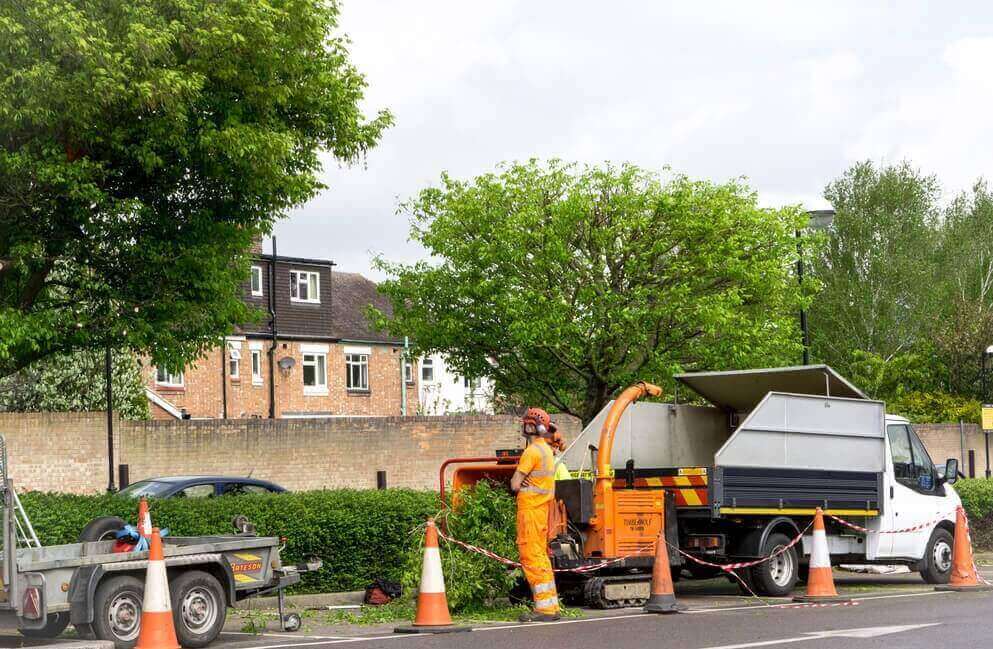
x: 146, y: 488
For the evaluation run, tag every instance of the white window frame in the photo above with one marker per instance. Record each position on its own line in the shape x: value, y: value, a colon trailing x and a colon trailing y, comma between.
x: 360, y: 359
x: 171, y: 380
x: 427, y: 364
x: 320, y: 386
x: 234, y: 360
x: 251, y: 282
x: 256, y: 355
x: 295, y: 283
x: 408, y: 371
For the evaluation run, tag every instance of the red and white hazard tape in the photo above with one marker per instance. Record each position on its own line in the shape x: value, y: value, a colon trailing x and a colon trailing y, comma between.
x: 515, y: 564
x: 821, y: 605
x: 915, y: 528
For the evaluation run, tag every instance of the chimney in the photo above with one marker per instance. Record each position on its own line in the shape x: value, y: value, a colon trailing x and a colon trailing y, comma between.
x: 257, y: 244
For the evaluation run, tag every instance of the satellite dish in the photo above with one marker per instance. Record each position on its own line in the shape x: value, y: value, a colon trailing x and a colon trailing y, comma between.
x: 286, y: 363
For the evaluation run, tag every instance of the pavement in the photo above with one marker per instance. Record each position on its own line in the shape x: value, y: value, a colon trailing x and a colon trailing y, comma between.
x: 887, y: 610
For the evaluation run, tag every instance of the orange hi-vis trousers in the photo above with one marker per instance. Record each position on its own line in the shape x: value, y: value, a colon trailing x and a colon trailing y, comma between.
x: 532, y: 543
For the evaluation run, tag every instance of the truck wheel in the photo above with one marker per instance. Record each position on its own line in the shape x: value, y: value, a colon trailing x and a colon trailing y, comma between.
x: 198, y: 607
x: 936, y: 566
x: 117, y: 610
x: 54, y: 626
x: 101, y: 528
x: 777, y: 576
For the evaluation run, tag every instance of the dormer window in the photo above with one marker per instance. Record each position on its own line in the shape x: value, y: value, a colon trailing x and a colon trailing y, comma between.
x: 305, y: 286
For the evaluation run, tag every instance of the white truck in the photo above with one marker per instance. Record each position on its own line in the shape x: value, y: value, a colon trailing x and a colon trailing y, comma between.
x: 748, y: 469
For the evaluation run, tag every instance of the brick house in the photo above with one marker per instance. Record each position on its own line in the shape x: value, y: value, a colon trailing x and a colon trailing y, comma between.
x: 314, y: 354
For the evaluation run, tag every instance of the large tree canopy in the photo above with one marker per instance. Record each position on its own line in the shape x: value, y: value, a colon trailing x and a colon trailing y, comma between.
x: 564, y: 284
x: 143, y: 145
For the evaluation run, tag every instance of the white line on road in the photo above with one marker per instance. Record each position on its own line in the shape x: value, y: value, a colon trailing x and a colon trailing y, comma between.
x: 864, y: 632
x: 268, y: 634
x: 604, y: 618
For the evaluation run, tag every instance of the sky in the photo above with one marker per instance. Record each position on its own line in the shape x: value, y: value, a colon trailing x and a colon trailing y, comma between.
x: 785, y: 94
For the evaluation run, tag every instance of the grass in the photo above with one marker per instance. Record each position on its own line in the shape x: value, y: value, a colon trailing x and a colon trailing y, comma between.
x: 402, y: 610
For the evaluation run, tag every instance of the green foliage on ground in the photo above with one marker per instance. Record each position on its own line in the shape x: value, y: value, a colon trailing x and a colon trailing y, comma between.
x: 485, y: 517
x: 360, y: 535
x: 145, y: 144
x: 564, y: 283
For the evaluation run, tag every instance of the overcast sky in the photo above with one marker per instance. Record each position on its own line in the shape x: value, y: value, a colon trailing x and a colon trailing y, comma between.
x: 786, y: 94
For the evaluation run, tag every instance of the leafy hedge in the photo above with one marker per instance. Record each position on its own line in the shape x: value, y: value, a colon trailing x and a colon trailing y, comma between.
x: 360, y: 535
x: 977, y: 499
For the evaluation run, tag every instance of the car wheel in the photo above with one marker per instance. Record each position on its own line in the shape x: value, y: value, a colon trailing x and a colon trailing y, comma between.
x: 777, y: 576
x: 102, y: 528
x: 117, y: 610
x: 936, y: 566
x: 199, y: 608
x: 54, y: 626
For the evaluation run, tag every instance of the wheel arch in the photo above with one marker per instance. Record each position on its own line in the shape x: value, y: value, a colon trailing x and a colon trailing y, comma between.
x: 752, y: 542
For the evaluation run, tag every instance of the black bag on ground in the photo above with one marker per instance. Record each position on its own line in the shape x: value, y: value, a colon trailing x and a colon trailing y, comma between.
x: 381, y: 592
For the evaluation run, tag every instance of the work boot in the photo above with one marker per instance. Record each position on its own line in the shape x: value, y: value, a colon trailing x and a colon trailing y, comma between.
x: 533, y: 616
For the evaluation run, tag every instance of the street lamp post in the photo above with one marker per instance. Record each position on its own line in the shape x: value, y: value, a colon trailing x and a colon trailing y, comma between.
x: 818, y: 220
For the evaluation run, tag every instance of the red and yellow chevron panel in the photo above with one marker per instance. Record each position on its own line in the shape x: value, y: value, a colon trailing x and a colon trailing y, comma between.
x: 689, y: 487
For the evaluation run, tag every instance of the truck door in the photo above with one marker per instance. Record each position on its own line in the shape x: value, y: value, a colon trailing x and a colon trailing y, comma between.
x: 913, y: 494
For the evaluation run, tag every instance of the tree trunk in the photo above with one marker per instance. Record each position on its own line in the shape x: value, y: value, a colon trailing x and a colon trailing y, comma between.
x: 597, y: 395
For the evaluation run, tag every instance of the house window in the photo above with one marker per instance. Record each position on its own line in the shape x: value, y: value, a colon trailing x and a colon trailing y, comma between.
x: 234, y: 361
x: 257, y: 366
x: 167, y: 378
x: 408, y: 371
x: 357, y: 371
x: 305, y: 286
x: 427, y: 370
x: 471, y: 384
x: 315, y: 373
x: 257, y: 280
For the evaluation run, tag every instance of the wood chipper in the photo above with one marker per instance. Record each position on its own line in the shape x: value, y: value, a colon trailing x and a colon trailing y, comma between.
x: 603, y: 520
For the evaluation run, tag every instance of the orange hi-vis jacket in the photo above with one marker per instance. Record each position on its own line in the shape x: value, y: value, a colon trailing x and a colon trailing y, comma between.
x: 538, y: 463
x: 533, y: 501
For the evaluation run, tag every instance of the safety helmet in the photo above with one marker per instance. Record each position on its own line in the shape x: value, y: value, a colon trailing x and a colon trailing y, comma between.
x: 537, y: 422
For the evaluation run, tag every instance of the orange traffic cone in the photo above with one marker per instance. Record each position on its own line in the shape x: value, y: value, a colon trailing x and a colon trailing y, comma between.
x: 663, y: 598
x: 144, y: 520
x: 820, y: 582
x: 964, y: 576
x: 157, y: 629
x: 432, y: 606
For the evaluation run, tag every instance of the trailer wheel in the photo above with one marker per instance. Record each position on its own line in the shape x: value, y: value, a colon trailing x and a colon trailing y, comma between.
x: 101, y: 528
x: 54, y: 626
x: 936, y: 566
x: 117, y: 610
x: 198, y: 607
x: 777, y: 576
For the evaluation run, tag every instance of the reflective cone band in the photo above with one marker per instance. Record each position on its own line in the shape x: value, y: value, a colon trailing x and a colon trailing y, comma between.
x: 820, y: 581
x: 662, y: 598
x: 157, y: 629
x: 144, y: 519
x: 432, y: 614
x: 964, y: 576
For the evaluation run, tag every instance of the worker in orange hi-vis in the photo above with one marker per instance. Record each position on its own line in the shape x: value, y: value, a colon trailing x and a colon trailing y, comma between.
x: 534, y: 484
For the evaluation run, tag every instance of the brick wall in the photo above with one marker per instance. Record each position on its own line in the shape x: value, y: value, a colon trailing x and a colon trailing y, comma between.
x: 947, y: 440
x: 61, y: 451
x: 67, y: 451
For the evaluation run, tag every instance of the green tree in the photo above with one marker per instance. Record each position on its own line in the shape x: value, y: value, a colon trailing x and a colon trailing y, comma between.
x: 565, y: 283
x: 74, y: 383
x: 877, y: 267
x: 964, y: 323
x: 142, y: 146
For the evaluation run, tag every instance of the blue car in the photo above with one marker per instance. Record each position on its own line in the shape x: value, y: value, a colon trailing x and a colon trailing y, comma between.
x: 199, y: 486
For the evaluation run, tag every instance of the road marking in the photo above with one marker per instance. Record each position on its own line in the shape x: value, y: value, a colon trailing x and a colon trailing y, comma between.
x: 268, y: 634
x: 864, y: 632
x: 603, y: 618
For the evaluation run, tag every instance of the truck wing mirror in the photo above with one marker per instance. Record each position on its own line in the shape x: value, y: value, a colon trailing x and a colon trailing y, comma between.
x: 951, y: 471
